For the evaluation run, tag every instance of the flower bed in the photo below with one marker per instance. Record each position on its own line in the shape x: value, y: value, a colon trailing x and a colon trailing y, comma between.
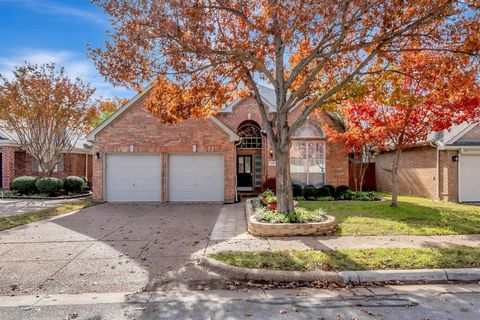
x: 299, y: 223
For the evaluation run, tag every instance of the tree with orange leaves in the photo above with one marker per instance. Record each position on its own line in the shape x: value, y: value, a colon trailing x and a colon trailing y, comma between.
x: 46, y: 110
x: 401, y: 110
x: 104, y: 109
x: 358, y: 139
x: 197, y: 53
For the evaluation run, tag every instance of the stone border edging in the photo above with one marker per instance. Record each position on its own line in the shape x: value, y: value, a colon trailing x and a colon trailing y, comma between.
x: 353, y: 277
x: 266, y: 229
x: 85, y: 195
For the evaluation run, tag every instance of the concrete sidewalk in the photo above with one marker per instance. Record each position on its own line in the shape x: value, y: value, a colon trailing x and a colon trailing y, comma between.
x: 230, y: 233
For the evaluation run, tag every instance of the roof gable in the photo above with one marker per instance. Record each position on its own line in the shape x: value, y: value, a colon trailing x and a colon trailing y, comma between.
x: 232, y: 136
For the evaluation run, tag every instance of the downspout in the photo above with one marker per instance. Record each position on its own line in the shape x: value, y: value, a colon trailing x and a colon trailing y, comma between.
x: 434, y: 144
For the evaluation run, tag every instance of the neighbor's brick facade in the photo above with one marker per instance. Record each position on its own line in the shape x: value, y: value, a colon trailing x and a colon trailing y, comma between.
x: 418, y: 173
x: 147, y: 134
x: 16, y: 163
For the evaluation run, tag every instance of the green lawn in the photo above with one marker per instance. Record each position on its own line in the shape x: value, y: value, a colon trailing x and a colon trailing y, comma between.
x: 29, y: 217
x: 365, y: 259
x: 414, y: 216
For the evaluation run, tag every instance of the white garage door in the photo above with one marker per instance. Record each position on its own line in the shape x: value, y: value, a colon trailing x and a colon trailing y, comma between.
x: 195, y: 177
x: 469, y: 177
x: 133, y: 177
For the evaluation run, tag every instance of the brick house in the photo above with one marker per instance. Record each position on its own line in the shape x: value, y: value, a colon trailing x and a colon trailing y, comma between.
x: 139, y: 158
x: 447, y: 167
x: 15, y: 162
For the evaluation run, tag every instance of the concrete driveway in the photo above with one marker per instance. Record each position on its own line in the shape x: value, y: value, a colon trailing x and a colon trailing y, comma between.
x: 109, y: 247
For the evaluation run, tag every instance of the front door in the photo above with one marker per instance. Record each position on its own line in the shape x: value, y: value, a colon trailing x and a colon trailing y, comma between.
x: 244, y: 173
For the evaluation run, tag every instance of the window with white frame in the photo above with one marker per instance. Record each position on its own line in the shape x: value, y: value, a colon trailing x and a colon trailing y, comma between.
x: 307, y: 155
x: 59, y: 167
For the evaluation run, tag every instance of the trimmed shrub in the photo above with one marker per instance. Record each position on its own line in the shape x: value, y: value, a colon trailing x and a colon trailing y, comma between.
x: 50, y: 186
x: 297, y: 190
x: 309, y: 192
x: 270, y: 184
x: 341, y: 190
x: 331, y: 188
x: 323, y: 192
x: 24, y: 185
x: 347, y: 195
x: 74, y: 184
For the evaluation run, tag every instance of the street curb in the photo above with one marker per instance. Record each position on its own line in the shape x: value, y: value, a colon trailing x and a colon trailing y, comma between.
x: 352, y: 277
x: 241, y: 273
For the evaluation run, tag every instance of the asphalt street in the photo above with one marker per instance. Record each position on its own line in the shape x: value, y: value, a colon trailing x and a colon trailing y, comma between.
x: 400, y: 302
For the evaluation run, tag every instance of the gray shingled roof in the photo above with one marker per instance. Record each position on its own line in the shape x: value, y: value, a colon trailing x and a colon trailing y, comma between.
x: 268, y: 97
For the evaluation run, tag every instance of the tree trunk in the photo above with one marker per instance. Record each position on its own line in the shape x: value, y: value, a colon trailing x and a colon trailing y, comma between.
x: 395, y: 163
x: 284, y: 185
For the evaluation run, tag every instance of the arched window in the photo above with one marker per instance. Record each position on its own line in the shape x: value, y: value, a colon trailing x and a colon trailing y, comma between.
x: 307, y: 155
x: 250, y: 134
x: 310, y: 129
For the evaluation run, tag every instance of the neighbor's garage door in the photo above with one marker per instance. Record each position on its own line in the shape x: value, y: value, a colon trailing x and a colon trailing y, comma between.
x: 469, y: 177
x: 195, y: 177
x: 133, y: 177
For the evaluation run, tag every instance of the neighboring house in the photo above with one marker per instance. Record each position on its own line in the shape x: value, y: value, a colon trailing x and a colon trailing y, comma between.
x: 447, y: 167
x: 15, y: 162
x: 139, y: 158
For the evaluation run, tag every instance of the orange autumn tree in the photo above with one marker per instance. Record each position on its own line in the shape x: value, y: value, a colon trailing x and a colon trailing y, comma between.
x: 45, y: 110
x: 198, y: 53
x: 104, y: 109
x: 405, y: 108
x: 358, y: 139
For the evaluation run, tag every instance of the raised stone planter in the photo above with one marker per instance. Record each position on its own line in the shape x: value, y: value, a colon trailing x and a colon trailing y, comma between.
x: 265, y: 229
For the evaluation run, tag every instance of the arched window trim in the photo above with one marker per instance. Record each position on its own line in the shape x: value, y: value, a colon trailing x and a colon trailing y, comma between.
x: 250, y: 135
x: 312, y: 126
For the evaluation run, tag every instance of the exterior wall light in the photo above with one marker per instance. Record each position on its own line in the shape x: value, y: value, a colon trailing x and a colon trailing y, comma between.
x: 194, y: 147
x: 97, y: 155
x: 455, y: 158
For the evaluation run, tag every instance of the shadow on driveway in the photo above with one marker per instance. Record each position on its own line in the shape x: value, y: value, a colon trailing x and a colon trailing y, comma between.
x: 109, y: 247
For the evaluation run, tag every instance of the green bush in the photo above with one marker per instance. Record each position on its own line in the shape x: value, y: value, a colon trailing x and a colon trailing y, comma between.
x: 363, y: 196
x: 74, y: 184
x: 297, y: 190
x: 341, y: 190
x: 331, y: 188
x: 323, y: 192
x: 309, y: 192
x: 347, y: 195
x: 24, y: 185
x: 325, y: 198
x: 50, y: 186
x: 299, y: 215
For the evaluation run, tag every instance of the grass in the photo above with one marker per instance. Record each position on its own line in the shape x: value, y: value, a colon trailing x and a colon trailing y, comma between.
x: 29, y: 217
x: 360, y: 259
x: 414, y: 216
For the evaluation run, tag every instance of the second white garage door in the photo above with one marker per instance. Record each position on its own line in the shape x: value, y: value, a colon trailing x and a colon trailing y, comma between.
x: 195, y: 177
x: 469, y: 178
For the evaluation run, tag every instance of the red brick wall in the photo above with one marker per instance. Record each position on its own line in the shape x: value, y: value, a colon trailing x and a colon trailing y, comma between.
x: 16, y: 162
x: 8, y: 166
x: 448, y: 186
x: 147, y: 134
x: 418, y: 174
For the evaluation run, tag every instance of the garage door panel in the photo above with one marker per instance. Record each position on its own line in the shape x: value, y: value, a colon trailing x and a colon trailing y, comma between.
x: 196, y: 178
x: 133, y: 177
x: 469, y: 178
